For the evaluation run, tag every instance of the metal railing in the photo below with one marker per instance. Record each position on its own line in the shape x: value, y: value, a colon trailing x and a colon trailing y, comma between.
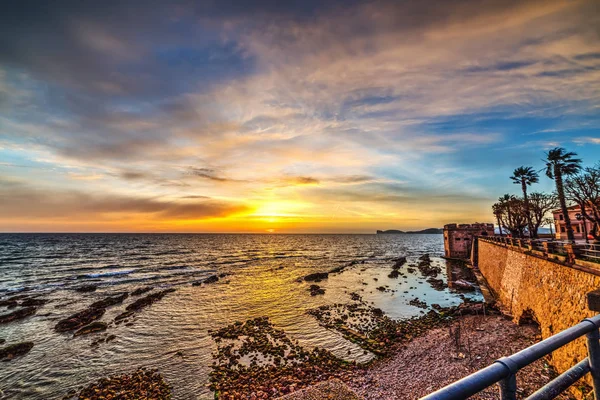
x: 504, y: 370
x: 590, y: 252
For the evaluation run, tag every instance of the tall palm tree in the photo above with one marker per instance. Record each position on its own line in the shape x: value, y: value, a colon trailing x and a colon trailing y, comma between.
x: 525, y: 176
x: 560, y: 163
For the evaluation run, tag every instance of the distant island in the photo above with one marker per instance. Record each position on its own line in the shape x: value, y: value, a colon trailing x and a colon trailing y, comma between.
x: 424, y: 231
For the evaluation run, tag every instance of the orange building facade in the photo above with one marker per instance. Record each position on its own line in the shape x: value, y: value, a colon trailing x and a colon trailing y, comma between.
x: 577, y: 225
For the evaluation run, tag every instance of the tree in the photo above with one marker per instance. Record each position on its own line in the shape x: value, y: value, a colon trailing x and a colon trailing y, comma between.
x: 525, y: 176
x: 559, y: 164
x: 584, y: 190
x: 550, y: 222
x: 539, y: 205
x: 510, y: 212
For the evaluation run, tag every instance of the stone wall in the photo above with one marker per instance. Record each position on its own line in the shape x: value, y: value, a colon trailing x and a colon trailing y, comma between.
x: 553, y: 293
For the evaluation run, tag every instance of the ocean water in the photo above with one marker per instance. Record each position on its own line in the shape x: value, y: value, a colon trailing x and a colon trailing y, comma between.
x: 263, y: 281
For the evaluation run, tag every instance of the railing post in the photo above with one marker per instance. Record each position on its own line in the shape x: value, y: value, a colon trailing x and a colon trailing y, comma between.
x: 508, y: 385
x: 593, y: 346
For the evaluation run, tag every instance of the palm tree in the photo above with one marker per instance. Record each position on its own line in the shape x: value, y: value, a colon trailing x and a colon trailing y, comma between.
x: 560, y: 163
x: 525, y: 176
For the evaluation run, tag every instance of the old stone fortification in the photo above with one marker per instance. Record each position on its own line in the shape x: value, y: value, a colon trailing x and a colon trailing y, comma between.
x: 554, y: 294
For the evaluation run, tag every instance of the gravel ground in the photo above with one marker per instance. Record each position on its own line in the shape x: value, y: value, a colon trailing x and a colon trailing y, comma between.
x: 444, y: 355
x: 328, y: 390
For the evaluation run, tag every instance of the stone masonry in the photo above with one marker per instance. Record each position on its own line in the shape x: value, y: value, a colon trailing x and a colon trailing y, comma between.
x: 549, y: 291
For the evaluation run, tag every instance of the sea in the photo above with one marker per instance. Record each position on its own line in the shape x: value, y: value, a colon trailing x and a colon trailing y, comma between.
x: 263, y: 278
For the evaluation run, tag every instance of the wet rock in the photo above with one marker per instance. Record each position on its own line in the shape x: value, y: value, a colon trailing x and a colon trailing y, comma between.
x: 316, y: 277
x: 437, y: 284
x: 33, y: 302
x: 381, y: 288
x: 119, y: 318
x: 97, y: 326
x: 399, y: 263
x: 17, y: 315
x: 15, y: 350
x: 86, y: 288
x: 463, y: 285
x: 2, y: 341
x: 148, y: 300
x: 110, y: 338
x: 9, y: 303
x: 142, y: 384
x: 109, y: 301
x: 210, y: 279
x: 79, y: 319
x: 142, y: 290
x: 316, y: 289
x: 417, y: 303
x: 394, y: 274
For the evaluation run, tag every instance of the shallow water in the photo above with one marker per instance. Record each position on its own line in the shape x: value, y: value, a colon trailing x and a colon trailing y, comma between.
x: 55, y: 264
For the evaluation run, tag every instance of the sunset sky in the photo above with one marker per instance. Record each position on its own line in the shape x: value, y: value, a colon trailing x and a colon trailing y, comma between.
x: 262, y: 116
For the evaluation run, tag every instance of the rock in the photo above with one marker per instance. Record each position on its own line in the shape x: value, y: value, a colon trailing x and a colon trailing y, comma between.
x: 399, y: 263
x: 394, y: 274
x: 437, y: 284
x: 9, y: 303
x: 123, y: 315
x: 142, y: 384
x: 79, y: 319
x: 142, y: 290
x: 2, y: 341
x: 86, y: 288
x: 33, y: 302
x: 316, y: 289
x: 97, y: 326
x: 15, y: 350
x: 110, y: 338
x: 109, y: 301
x: 316, y: 277
x: 146, y: 301
x: 417, y: 303
x: 463, y: 285
x: 16, y: 315
x: 210, y: 279
x: 381, y: 289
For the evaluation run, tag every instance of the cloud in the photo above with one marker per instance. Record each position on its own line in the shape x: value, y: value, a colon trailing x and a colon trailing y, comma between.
x: 584, y: 140
x: 62, y: 204
x: 273, y: 100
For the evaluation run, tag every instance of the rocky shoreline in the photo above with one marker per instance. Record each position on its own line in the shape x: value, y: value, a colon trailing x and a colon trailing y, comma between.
x: 254, y: 360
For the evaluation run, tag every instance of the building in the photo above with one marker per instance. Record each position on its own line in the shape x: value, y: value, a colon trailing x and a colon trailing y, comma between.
x: 577, y: 225
x: 458, y: 238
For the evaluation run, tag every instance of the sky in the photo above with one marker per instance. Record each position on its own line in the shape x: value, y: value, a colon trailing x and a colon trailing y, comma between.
x: 286, y: 117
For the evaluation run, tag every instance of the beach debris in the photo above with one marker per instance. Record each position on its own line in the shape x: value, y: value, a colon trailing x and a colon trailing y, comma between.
x: 14, y: 350
x: 256, y: 361
x: 17, y: 315
x: 316, y: 277
x: 86, y: 288
x: 96, y: 326
x: 142, y: 290
x: 142, y: 384
x: 79, y: 319
x: 316, y: 289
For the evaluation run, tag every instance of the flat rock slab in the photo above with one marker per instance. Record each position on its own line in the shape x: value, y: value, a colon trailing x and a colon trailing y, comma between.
x: 333, y: 389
